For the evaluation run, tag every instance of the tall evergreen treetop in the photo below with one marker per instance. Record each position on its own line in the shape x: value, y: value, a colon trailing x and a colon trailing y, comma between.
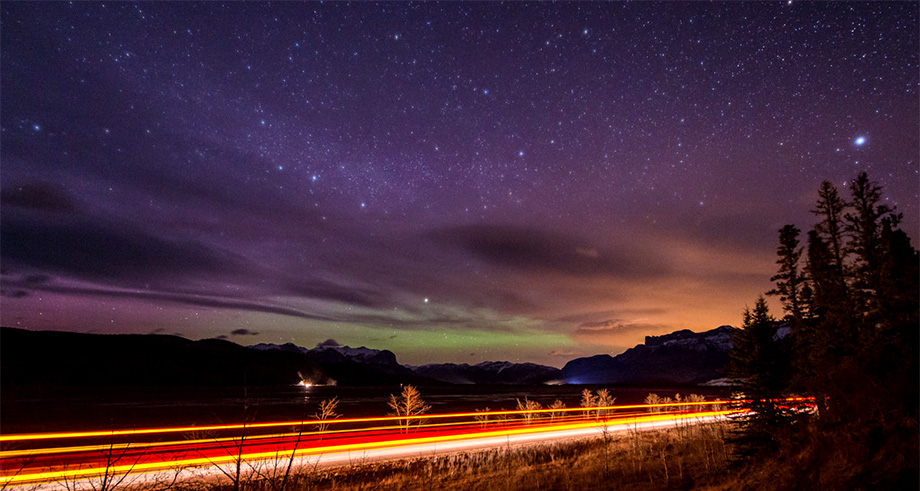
x: 831, y: 209
x: 790, y: 279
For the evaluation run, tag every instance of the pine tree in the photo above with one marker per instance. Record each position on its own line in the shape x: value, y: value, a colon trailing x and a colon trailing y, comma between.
x: 864, y: 225
x: 760, y: 364
x: 789, y: 280
x: 831, y: 208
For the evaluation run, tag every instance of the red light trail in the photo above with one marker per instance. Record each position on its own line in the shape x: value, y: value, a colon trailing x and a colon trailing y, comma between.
x: 107, y: 453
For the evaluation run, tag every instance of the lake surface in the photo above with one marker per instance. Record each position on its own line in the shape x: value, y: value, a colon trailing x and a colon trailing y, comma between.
x: 42, y: 409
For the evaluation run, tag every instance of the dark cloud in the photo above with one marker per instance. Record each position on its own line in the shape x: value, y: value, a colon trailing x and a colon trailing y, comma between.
x: 590, y: 317
x: 184, y: 299
x: 13, y: 293
x: 614, y: 332
x: 529, y: 249
x: 42, y: 196
x: 244, y: 332
x: 36, y: 279
x: 614, y: 326
x: 103, y: 251
x: 565, y: 353
x: 330, y: 343
x: 310, y: 288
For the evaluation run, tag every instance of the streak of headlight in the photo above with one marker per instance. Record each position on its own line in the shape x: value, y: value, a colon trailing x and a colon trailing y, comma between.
x: 305, y: 436
x: 535, y: 425
x: 240, y: 426
x: 372, y: 445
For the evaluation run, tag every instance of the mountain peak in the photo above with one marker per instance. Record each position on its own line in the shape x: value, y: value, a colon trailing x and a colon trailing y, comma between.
x: 683, y: 357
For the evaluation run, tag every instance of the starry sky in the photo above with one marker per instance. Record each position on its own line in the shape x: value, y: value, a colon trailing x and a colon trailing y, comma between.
x: 451, y: 181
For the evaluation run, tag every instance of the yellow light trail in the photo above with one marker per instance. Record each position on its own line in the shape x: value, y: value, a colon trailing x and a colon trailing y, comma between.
x: 539, y: 422
x: 218, y: 460
x: 306, y: 435
x: 242, y: 426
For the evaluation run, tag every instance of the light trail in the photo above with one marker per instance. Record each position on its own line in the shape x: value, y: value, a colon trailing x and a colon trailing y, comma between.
x: 447, y: 431
x: 241, y: 426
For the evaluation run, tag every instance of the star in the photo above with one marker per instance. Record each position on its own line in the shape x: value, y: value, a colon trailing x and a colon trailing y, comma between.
x: 412, y: 126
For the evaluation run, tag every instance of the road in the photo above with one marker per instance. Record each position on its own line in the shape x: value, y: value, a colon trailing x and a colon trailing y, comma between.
x: 94, y: 460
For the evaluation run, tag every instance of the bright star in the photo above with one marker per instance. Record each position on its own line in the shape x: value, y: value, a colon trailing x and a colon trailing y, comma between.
x: 859, y: 140
x: 521, y: 153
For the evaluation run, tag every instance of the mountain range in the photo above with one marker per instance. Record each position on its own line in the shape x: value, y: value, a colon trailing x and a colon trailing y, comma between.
x: 682, y: 357
x: 63, y: 358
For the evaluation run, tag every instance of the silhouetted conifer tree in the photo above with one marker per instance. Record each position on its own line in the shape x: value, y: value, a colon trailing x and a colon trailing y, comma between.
x: 831, y: 209
x: 790, y: 279
x: 855, y: 313
x: 760, y: 364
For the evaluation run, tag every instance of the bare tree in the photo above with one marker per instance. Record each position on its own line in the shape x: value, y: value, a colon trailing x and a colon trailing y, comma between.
x: 23, y: 465
x: 588, y: 400
x: 407, y: 405
x: 483, y: 419
x: 696, y: 398
x: 557, y: 404
x: 530, y: 406
x: 116, y: 457
x: 653, y: 399
x: 604, y: 399
x: 326, y: 412
x: 234, y: 447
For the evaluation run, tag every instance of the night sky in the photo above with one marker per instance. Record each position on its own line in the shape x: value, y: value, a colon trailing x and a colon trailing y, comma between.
x: 453, y: 182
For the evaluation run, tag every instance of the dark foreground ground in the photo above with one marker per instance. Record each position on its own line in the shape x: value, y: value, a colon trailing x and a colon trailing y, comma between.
x: 684, y: 457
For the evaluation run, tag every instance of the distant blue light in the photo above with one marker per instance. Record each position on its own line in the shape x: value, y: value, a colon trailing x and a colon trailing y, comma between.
x: 860, y: 140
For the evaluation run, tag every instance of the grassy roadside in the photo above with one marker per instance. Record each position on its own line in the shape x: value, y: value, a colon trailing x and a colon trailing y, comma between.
x: 682, y: 457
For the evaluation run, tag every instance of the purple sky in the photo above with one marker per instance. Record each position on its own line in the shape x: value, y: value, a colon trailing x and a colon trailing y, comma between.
x: 454, y: 182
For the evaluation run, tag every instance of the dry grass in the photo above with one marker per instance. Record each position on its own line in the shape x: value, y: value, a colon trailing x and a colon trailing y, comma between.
x: 686, y: 456
x: 849, y: 457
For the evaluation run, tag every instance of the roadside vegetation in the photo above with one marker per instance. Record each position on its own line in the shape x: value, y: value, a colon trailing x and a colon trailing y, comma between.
x: 849, y: 342
x: 681, y: 457
x: 849, y: 338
